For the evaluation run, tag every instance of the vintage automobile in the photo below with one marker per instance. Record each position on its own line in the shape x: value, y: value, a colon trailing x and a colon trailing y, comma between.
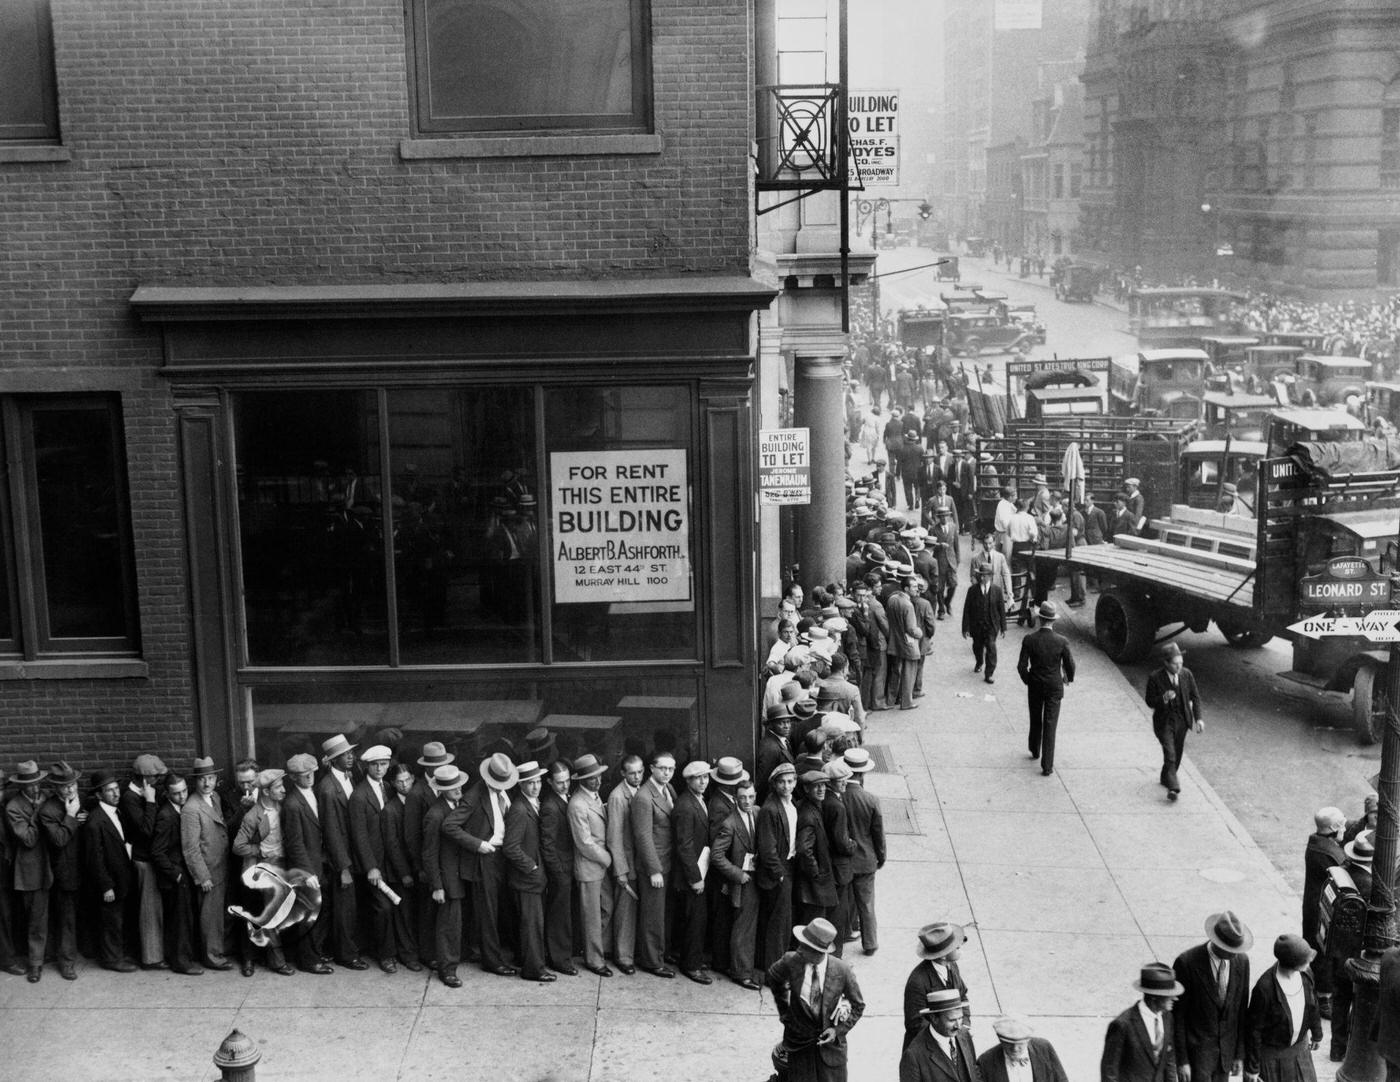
x: 1167, y: 383
x: 1307, y: 341
x: 1329, y: 381
x: 976, y: 246
x: 1239, y: 415
x: 947, y: 269
x: 1227, y: 350
x: 968, y: 333
x: 1383, y: 400
x: 1270, y: 361
x: 1076, y: 282
x: 1024, y: 313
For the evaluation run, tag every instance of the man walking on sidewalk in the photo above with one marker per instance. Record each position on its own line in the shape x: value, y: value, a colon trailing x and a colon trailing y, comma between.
x: 1208, y: 1021
x: 1176, y: 707
x: 1046, y: 665
x: 984, y: 620
x: 1138, y: 1046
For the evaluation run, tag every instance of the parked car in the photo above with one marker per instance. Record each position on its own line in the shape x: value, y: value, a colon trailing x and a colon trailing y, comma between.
x: 969, y: 333
x: 1025, y: 314
x: 1076, y: 282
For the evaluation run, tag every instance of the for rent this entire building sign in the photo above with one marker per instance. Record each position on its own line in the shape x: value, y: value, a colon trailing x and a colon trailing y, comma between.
x: 872, y: 117
x: 621, y: 525
x: 784, y: 466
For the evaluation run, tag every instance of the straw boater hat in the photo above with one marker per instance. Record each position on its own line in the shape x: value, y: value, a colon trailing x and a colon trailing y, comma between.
x: 446, y: 778
x: 499, y: 772
x: 435, y: 755
x: 820, y: 935
x: 202, y: 767
x: 530, y: 771
x: 858, y: 759
x: 585, y: 766
x: 1228, y: 932
x: 1158, y: 979
x: 940, y: 939
x: 941, y: 1000
x: 729, y: 771
x: 336, y: 746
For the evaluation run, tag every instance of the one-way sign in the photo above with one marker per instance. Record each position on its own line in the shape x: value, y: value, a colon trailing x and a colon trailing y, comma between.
x: 1381, y: 626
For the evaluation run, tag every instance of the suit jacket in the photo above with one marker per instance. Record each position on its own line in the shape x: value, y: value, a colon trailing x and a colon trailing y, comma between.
x: 167, y: 853
x: 774, y: 841
x: 1185, y: 708
x: 867, y: 825
x: 1128, y: 1055
x: 650, y: 818
x: 1386, y: 1033
x: 772, y: 752
x: 876, y: 622
x: 420, y: 799
x: 620, y: 845
x: 816, y: 883
x: 1208, y: 1034
x: 1322, y: 853
x: 61, y: 830
x: 984, y: 612
x: 836, y: 818
x: 905, y: 628
x: 301, y: 833
x: 1268, y: 1022
x: 204, y: 839
x: 924, y: 1059
x: 1045, y: 1063
x: 334, y: 807
x: 400, y: 868
x: 252, y: 832
x: 927, y: 620
x: 588, y: 824
x: 31, y: 855
x: 922, y: 980
x: 733, y: 844
x: 365, y: 815
x: 800, y: 1027
x: 1046, y: 662
x: 524, y: 870
x: 556, y: 837
x: 105, y: 863
x: 466, y: 827
x: 443, y: 858
x: 690, y: 833
x: 138, y: 816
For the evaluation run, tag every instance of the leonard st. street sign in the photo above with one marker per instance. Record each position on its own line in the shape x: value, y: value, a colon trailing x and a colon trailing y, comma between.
x: 1347, y: 583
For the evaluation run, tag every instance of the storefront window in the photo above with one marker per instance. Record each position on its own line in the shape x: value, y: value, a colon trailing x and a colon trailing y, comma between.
x: 465, y: 511
x: 620, y: 514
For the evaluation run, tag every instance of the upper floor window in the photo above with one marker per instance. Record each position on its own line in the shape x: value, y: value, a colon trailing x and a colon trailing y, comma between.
x: 67, y: 580
x: 529, y: 65
x: 28, y: 91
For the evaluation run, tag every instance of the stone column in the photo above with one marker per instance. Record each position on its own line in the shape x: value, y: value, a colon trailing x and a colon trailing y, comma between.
x: 820, y: 407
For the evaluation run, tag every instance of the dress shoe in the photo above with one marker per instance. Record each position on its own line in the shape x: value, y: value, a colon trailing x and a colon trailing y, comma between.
x: 188, y: 971
x: 504, y: 971
x: 568, y: 971
x: 542, y: 978
x: 411, y: 965
x: 388, y: 965
x: 354, y: 963
x: 66, y: 972
x: 747, y: 983
x: 451, y: 980
x: 988, y: 680
x: 219, y: 966
x: 246, y: 969
x: 661, y: 971
x: 871, y: 950
x: 35, y: 974
x: 977, y: 667
x: 154, y: 965
x: 699, y: 976
x: 1172, y: 794
x: 320, y: 968
x: 625, y: 969
x: 284, y: 970
x: 1034, y: 754
x: 14, y: 969
x: 602, y: 971
x: 918, y: 694
x: 122, y: 967
x: 1046, y: 773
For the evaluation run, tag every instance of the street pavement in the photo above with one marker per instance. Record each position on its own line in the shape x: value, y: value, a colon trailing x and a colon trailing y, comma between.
x: 1066, y: 884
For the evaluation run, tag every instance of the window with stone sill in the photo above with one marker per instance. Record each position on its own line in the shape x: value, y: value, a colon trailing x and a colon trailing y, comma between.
x: 28, y: 90
x: 529, y: 66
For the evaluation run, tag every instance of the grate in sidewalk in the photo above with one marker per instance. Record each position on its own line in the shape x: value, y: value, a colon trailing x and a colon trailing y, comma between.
x: 898, y: 816
x: 881, y: 758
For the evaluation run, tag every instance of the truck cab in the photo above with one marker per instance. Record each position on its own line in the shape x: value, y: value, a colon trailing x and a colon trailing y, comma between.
x: 1170, y: 382
x: 1270, y: 362
x: 1024, y: 314
x: 1227, y: 350
x: 1207, y: 464
x: 1310, y: 425
x: 1238, y: 416
x: 921, y: 327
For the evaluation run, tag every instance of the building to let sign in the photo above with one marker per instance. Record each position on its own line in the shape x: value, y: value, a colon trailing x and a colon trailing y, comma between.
x: 784, y: 466
x: 872, y: 117
x: 621, y: 525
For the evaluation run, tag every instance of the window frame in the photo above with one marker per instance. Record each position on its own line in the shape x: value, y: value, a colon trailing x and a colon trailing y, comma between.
x: 47, y: 131
x: 425, y: 126
x: 32, y: 637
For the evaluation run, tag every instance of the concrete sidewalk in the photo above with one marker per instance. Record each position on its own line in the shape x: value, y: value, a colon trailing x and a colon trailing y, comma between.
x: 1067, y: 884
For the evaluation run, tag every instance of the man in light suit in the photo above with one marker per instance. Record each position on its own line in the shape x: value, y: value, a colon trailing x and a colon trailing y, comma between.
x: 1176, y: 707
x: 906, y: 634
x: 650, y: 819
x: 733, y: 858
x: 1019, y: 1051
x: 204, y: 841
x: 943, y: 1050
x: 1208, y: 1021
x: 333, y: 803
x: 818, y: 1001
x: 365, y: 814
x: 867, y: 826
x: 621, y: 849
x: 1138, y: 1046
x: 588, y: 822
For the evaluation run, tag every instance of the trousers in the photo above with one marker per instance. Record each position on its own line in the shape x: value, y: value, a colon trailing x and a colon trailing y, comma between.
x: 1044, y: 706
x: 984, y: 651
x: 863, y: 898
x: 624, y: 921
x: 595, y: 916
x: 1171, y: 735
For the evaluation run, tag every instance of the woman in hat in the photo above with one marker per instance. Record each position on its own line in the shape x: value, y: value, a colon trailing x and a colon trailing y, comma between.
x: 1284, y: 1026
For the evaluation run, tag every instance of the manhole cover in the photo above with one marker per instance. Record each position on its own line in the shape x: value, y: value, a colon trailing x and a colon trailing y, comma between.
x: 899, y: 816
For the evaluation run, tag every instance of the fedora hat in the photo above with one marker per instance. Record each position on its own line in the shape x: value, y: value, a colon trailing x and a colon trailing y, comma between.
x: 940, y: 939
x: 204, y: 766
x: 943, y: 999
x: 1361, y: 849
x: 1293, y: 951
x: 60, y: 773
x: 586, y: 766
x: 1228, y: 932
x: 1011, y: 1028
x: 1040, y: 479
x: 435, y: 754
x: 336, y: 746
x: 27, y: 773
x: 1157, y: 979
x: 499, y: 772
x: 101, y: 779
x: 1047, y: 612
x: 729, y: 771
x: 446, y: 778
x: 531, y: 771
x: 777, y: 712
x: 540, y: 740
x: 804, y: 708
x: 858, y: 759
x: 820, y: 935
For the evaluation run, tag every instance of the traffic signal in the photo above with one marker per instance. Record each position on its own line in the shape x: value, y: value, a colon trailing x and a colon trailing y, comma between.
x: 925, y: 210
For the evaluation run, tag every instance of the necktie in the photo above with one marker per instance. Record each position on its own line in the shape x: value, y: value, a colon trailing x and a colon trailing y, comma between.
x: 814, y: 992
x: 1222, y: 977
x: 953, y: 1053
x: 501, y: 802
x: 1156, y: 1032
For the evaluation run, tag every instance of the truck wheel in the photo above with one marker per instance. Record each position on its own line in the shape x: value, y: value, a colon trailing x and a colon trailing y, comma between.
x: 1123, y: 626
x: 1368, y: 704
x: 972, y: 347
x: 1245, y: 638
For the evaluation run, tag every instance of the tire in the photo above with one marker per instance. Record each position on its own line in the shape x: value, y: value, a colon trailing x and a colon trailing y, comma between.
x: 1123, y: 626
x: 972, y: 347
x: 1368, y: 703
x: 1243, y: 638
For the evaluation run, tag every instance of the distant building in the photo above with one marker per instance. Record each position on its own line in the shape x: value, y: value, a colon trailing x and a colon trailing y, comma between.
x: 1052, y: 170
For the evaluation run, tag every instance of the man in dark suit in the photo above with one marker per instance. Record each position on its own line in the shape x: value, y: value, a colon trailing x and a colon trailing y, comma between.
x: 815, y: 889
x: 399, y: 873
x: 870, y: 618
x: 1046, y: 665
x: 939, y: 946
x: 942, y: 1050
x: 690, y: 834
x: 1138, y: 1046
x: 302, y: 848
x: 420, y: 799
x: 649, y: 816
x: 734, y: 859
x: 173, y: 878
x: 837, y: 820
x: 906, y: 633
x: 33, y: 876
x: 984, y: 620
x: 137, y: 807
x: 809, y: 987
x: 867, y: 827
x: 557, y: 840
x: 1208, y: 1020
x: 773, y: 746
x: 477, y: 827
x: 1020, y: 1051
x: 108, y: 870
x: 338, y: 889
x: 943, y: 541
x: 1176, y: 707
x: 1324, y: 851
x: 777, y: 848
x: 62, y: 816
x: 443, y: 872
x: 365, y: 812
x: 720, y: 803
x: 525, y: 871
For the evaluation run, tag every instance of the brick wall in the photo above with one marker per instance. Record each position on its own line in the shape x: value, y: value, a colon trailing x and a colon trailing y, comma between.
x: 215, y: 144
